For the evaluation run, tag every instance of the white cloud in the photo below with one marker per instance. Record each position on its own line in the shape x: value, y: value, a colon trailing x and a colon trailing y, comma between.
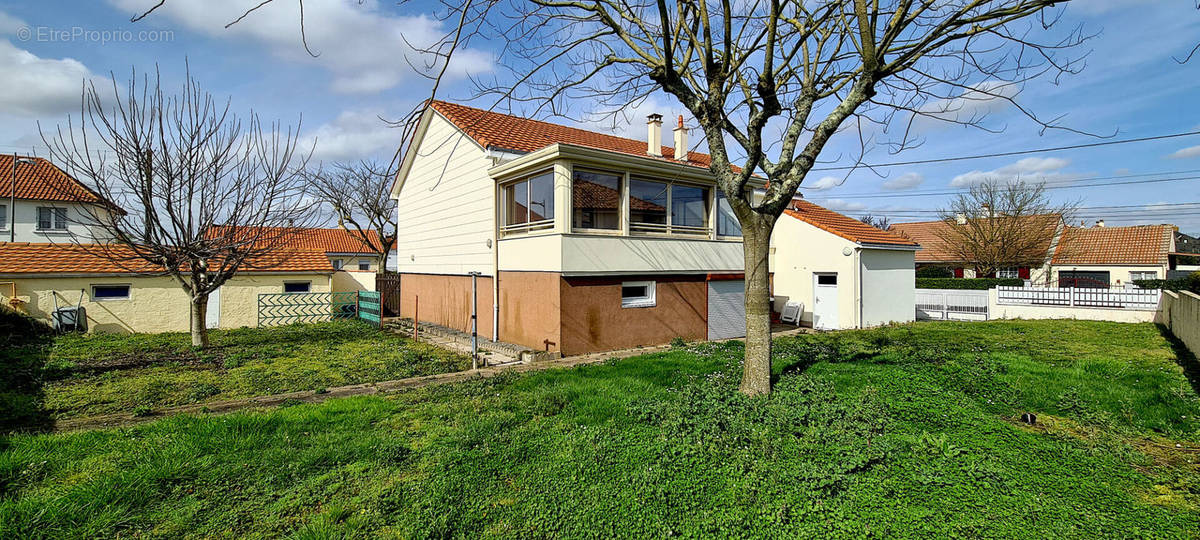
x: 1183, y: 153
x: 970, y: 106
x: 351, y: 136
x: 904, y: 181
x: 365, y: 49
x: 1031, y: 168
x: 825, y: 182
x: 842, y: 205
x: 35, y: 86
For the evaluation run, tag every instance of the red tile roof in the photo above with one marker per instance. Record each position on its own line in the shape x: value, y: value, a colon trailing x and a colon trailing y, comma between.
x: 43, y: 181
x: 41, y: 258
x: 507, y: 132
x: 1143, y: 244
x: 844, y: 226
x: 934, y: 249
x: 335, y: 240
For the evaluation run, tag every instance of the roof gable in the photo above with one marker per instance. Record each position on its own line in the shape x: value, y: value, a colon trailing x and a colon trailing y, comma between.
x: 844, y: 226
x: 43, y: 181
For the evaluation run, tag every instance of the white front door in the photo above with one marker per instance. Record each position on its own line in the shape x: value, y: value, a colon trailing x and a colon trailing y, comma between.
x: 213, y: 318
x: 825, y: 301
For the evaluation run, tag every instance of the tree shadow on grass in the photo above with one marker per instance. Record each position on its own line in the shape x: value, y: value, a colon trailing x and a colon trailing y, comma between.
x: 1184, y: 357
x: 24, y: 353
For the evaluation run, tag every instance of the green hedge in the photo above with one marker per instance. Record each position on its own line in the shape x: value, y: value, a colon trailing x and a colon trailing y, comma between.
x: 968, y: 283
x: 935, y: 272
x: 1190, y: 283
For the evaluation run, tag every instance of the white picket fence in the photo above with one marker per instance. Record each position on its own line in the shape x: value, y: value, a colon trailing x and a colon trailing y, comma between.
x: 952, y: 304
x: 1125, y: 299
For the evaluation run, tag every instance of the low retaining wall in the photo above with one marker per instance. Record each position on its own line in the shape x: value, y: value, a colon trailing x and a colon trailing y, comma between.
x: 1180, y: 313
x: 1004, y: 311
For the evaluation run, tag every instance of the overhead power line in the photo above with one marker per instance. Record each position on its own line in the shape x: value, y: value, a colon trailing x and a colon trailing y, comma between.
x: 1005, y: 154
x: 1064, y: 184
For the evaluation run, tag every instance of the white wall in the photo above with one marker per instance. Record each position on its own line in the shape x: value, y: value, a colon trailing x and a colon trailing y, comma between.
x: 445, y: 205
x: 1115, y: 272
x: 800, y: 250
x: 888, y: 286
x: 26, y: 230
x: 999, y: 311
x: 1181, y: 315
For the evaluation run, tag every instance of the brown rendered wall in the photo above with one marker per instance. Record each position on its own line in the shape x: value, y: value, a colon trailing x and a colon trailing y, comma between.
x: 529, y: 309
x: 446, y: 300
x: 593, y: 319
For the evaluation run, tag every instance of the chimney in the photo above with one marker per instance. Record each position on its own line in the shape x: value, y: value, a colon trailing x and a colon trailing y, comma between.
x: 681, y: 142
x: 960, y: 218
x: 986, y: 209
x: 654, y: 135
x: 1100, y: 223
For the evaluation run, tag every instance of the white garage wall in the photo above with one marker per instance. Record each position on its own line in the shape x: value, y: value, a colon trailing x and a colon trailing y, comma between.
x: 888, y: 286
x: 800, y: 250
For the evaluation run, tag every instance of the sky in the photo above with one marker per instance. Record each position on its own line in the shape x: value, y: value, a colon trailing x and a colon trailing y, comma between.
x: 1131, y: 87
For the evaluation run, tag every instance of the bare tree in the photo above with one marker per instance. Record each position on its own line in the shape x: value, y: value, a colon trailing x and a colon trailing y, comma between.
x: 996, y: 225
x: 769, y: 82
x: 359, y: 194
x: 204, y: 194
x: 879, y: 222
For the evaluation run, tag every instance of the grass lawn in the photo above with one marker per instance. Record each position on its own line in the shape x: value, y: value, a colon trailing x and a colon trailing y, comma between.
x: 85, y: 375
x: 898, y: 432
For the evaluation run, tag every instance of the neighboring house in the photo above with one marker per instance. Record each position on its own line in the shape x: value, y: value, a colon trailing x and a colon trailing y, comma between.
x: 935, y: 251
x: 1112, y: 256
x: 35, y: 277
x: 355, y: 262
x: 847, y: 274
x: 45, y: 204
x: 598, y: 242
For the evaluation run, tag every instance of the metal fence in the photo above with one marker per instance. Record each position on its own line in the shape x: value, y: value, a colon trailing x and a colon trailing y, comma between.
x: 1136, y: 299
x: 945, y: 304
x: 369, y: 307
x: 286, y: 308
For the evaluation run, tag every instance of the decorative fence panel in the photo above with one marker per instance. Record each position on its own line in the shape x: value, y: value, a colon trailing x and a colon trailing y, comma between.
x: 958, y: 304
x: 286, y: 308
x: 369, y: 307
x: 1131, y: 299
x: 388, y: 286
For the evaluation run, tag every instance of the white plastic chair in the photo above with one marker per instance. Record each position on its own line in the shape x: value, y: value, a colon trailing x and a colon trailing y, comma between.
x: 792, y: 312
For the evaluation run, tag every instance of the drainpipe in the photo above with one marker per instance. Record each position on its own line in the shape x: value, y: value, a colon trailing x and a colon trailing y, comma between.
x: 496, y: 264
x: 858, y: 279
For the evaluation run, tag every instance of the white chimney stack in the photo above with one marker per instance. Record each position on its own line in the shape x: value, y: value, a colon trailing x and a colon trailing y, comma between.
x: 1100, y: 223
x: 681, y: 142
x: 960, y: 218
x: 654, y: 135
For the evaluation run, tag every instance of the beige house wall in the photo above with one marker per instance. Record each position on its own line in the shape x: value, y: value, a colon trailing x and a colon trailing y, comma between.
x: 155, y: 304
x: 353, y: 280
x: 888, y: 286
x: 798, y: 251
x: 1180, y: 313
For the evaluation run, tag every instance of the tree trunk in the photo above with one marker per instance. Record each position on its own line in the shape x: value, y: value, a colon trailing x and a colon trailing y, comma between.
x: 199, y: 322
x: 756, y: 371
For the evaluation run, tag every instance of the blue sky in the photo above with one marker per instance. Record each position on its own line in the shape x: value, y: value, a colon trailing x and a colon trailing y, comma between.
x: 1131, y: 86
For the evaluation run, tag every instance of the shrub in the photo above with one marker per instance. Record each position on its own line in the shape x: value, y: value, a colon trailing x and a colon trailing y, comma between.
x: 1189, y: 283
x: 968, y: 283
x: 17, y: 327
x: 935, y: 272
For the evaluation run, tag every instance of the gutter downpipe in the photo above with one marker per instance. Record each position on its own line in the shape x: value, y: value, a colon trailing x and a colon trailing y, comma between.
x: 495, y: 263
x: 858, y: 271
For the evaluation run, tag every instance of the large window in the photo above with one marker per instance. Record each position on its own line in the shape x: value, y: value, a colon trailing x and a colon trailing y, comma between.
x: 727, y: 221
x: 660, y: 207
x: 595, y: 200
x: 51, y: 219
x: 529, y: 204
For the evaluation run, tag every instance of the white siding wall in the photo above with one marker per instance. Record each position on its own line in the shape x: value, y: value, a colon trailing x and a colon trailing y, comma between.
x: 888, y: 286
x: 26, y: 224
x: 445, y: 206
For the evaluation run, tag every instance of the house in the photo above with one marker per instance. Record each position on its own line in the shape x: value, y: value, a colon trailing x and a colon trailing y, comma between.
x: 354, y: 261
x: 936, y: 252
x: 579, y: 241
x: 129, y: 297
x: 1102, y: 256
x: 847, y: 274
x: 41, y: 203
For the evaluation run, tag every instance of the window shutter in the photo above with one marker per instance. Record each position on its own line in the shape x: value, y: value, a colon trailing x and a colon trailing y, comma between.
x: 1023, y: 272
x: 958, y: 272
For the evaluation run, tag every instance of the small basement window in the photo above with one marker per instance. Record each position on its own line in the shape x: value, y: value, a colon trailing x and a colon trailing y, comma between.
x: 364, y: 264
x: 110, y: 292
x: 297, y: 286
x: 827, y: 279
x: 637, y: 294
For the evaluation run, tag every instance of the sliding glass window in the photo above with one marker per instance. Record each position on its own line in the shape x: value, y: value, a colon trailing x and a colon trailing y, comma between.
x: 727, y: 221
x: 661, y: 207
x: 595, y: 200
x: 529, y: 204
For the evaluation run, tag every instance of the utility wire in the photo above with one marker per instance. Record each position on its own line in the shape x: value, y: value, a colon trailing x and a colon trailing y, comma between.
x: 1073, y: 184
x: 1004, y: 154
